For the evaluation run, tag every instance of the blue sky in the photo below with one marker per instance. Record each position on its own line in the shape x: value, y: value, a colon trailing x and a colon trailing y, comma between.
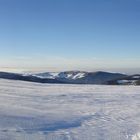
x: 54, y: 35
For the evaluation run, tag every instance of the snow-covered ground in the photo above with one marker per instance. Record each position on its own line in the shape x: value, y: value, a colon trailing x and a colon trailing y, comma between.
x: 31, y: 111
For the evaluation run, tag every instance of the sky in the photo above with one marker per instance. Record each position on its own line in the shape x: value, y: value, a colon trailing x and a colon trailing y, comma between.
x: 59, y: 35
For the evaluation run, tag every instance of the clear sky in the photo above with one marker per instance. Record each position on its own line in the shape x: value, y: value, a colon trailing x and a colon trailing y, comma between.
x: 54, y: 35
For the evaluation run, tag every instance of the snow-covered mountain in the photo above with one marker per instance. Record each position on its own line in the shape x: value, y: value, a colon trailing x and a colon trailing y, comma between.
x: 75, y: 77
x: 80, y: 77
x: 71, y: 75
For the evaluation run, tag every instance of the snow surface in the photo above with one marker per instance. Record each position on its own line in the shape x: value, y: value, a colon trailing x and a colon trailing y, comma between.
x: 127, y: 81
x: 136, y: 77
x: 50, y: 75
x: 32, y: 111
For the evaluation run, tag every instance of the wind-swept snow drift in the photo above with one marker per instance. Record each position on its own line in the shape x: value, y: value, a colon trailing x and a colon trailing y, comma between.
x: 32, y: 111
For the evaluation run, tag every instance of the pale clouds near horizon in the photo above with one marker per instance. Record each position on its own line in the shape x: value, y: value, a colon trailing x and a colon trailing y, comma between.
x: 53, y: 63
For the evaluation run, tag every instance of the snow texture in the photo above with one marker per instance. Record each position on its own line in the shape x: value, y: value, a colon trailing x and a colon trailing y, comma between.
x: 32, y: 111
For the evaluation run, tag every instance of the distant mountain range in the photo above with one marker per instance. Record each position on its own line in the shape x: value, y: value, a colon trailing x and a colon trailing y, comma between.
x: 75, y: 77
x: 81, y: 77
